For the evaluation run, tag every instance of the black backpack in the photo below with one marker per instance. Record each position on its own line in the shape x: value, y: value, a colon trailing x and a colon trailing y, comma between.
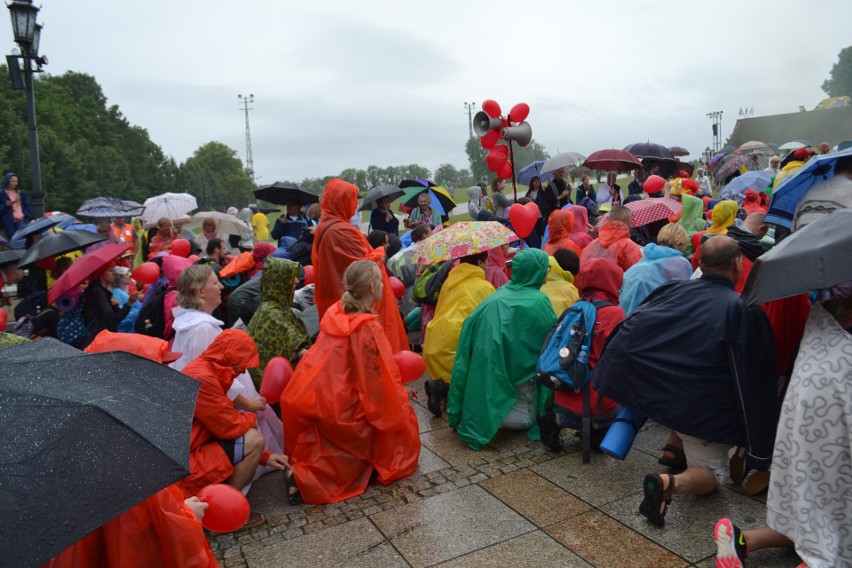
x: 152, y: 318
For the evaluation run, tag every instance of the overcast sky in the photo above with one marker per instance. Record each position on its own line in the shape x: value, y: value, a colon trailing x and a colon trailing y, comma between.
x: 342, y: 84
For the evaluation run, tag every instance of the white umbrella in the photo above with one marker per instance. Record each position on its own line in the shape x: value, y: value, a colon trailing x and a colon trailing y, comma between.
x: 563, y: 160
x: 170, y: 205
x: 792, y: 145
x: 225, y: 224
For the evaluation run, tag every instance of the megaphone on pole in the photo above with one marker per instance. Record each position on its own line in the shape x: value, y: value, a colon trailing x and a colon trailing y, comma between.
x: 521, y: 133
x: 482, y: 123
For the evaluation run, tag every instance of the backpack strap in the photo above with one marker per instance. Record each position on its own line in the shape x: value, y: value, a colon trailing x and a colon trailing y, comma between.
x: 587, y: 423
x: 318, y: 237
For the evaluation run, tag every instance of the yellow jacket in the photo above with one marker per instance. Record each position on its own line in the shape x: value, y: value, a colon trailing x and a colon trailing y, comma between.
x: 462, y: 292
x: 260, y: 224
x: 560, y: 288
x: 787, y: 170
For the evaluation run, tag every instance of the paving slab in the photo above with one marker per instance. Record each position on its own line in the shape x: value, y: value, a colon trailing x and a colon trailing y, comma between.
x: 534, y: 497
x: 446, y: 526
x: 355, y: 543
x: 690, y: 520
x: 602, y: 480
x: 428, y: 463
x: 606, y: 543
x: 531, y: 549
x: 446, y: 444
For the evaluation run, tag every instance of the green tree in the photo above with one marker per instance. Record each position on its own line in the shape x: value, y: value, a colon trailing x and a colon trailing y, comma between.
x: 528, y: 154
x: 840, y: 83
x: 356, y: 176
x: 216, y: 177
x: 449, y: 175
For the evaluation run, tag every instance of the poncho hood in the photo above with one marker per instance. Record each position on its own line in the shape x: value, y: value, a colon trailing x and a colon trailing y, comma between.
x: 601, y: 279
x: 613, y: 231
x: 189, y: 318
x: 338, y: 323
x: 276, y: 281
x: 560, y: 225
x: 528, y: 268
x: 724, y: 215
x: 173, y: 266
x: 691, y: 217
x: 557, y: 274
x: 654, y: 251
x: 231, y: 353
x: 339, y: 200
x: 462, y: 272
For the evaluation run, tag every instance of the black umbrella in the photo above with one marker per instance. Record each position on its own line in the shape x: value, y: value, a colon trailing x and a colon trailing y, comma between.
x: 18, y: 240
x: 11, y: 256
x: 85, y: 437
x: 281, y: 192
x: 59, y: 243
x: 374, y: 195
x: 646, y: 150
x: 814, y: 258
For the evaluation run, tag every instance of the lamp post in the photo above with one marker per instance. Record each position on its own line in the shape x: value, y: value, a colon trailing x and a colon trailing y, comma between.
x: 28, y: 35
x: 469, y: 108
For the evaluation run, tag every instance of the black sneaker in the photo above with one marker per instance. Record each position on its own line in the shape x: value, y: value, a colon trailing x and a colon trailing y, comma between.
x: 436, y: 392
x: 730, y: 545
x: 549, y: 430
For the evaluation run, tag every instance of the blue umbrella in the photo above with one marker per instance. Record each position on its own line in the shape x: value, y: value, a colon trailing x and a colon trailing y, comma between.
x: 19, y: 239
x: 792, y: 190
x: 750, y: 180
x: 82, y: 227
x: 532, y: 170
x: 104, y: 207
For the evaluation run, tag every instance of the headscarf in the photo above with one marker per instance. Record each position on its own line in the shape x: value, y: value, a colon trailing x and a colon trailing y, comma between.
x: 724, y: 215
x: 578, y: 232
x: 559, y: 228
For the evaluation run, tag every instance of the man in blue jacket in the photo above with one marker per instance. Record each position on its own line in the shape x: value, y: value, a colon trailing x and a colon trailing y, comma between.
x: 694, y: 358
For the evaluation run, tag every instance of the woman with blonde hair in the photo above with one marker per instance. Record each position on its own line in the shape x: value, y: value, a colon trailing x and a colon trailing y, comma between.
x: 346, y: 414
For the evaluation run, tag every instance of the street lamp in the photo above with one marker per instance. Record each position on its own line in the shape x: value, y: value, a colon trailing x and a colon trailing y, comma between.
x: 469, y: 106
x: 28, y: 36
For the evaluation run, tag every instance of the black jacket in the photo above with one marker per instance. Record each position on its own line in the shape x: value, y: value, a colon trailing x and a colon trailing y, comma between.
x: 694, y: 358
x: 99, y: 312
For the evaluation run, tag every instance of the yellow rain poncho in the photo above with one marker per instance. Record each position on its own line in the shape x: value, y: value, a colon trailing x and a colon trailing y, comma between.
x: 724, y: 215
x: 560, y: 288
x: 462, y: 292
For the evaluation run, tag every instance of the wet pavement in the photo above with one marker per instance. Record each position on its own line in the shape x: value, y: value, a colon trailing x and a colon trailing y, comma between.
x: 514, y: 503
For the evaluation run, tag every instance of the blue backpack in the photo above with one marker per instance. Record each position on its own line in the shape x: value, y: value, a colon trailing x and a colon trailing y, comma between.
x: 72, y: 328
x: 563, y: 363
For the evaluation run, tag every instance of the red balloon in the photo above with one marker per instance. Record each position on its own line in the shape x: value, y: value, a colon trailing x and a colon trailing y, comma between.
x: 523, y: 218
x: 276, y: 375
x: 411, y: 365
x: 653, y: 184
x: 494, y: 159
x: 505, y: 171
x: 501, y: 150
x: 309, y: 275
x: 180, y: 247
x: 491, y: 108
x: 398, y: 287
x: 4, y: 319
x: 489, y: 139
x: 519, y: 112
x: 228, y: 510
x: 48, y: 263
x: 146, y: 273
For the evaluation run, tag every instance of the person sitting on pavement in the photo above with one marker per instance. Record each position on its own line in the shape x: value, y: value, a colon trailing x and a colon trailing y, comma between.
x: 492, y: 382
x: 600, y: 280
x: 559, y: 287
x: 101, y: 310
x: 225, y: 445
x: 464, y: 289
x: 560, y: 226
x: 276, y: 330
x: 726, y: 383
x: 614, y: 242
x: 661, y: 263
x: 347, y: 418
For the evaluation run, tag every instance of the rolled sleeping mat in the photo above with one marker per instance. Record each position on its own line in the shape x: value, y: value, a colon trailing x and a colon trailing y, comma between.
x: 67, y: 302
x: 412, y: 320
x: 622, y: 432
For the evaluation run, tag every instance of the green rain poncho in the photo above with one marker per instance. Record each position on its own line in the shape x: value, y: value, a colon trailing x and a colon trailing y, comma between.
x: 497, y: 352
x: 691, y: 219
x: 275, y: 328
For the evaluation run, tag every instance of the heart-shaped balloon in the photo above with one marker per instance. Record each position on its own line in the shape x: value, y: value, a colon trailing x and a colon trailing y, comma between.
x: 523, y: 218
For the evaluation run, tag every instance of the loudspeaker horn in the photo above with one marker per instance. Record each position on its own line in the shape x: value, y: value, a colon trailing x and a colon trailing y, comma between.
x: 522, y: 133
x: 482, y: 123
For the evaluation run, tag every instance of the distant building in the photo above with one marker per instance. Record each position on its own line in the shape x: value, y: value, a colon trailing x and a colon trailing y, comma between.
x: 831, y: 122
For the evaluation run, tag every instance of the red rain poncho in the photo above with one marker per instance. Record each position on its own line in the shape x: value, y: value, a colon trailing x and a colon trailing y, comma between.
x: 231, y: 353
x: 346, y: 413
x: 613, y: 243
x: 559, y: 228
x: 579, y: 234
x: 337, y: 244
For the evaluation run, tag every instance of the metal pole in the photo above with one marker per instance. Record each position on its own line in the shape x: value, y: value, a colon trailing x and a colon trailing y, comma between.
x: 470, y: 107
x: 36, y: 194
x: 512, y: 161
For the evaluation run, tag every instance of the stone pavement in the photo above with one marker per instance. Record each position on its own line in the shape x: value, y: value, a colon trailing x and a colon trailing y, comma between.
x: 513, y: 503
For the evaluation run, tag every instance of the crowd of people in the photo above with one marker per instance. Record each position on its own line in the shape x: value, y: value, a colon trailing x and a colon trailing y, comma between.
x: 672, y: 339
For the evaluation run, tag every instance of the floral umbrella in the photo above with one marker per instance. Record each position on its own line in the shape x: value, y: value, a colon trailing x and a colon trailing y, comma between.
x: 647, y: 211
x: 463, y: 239
x: 729, y: 167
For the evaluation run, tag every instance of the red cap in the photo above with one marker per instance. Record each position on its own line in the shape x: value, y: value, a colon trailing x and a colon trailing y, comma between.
x: 803, y: 153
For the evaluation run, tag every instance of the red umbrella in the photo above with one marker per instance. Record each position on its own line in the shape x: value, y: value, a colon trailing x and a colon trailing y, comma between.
x: 612, y: 161
x: 85, y: 267
x: 647, y: 211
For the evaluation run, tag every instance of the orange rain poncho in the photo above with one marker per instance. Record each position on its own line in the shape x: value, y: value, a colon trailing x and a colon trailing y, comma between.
x: 559, y: 228
x: 613, y: 243
x: 231, y: 353
x: 346, y: 413
x: 337, y: 244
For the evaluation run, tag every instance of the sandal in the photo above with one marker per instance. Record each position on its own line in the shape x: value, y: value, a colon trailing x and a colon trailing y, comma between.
x: 655, y: 504
x: 293, y: 495
x: 253, y: 522
x: 676, y: 464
